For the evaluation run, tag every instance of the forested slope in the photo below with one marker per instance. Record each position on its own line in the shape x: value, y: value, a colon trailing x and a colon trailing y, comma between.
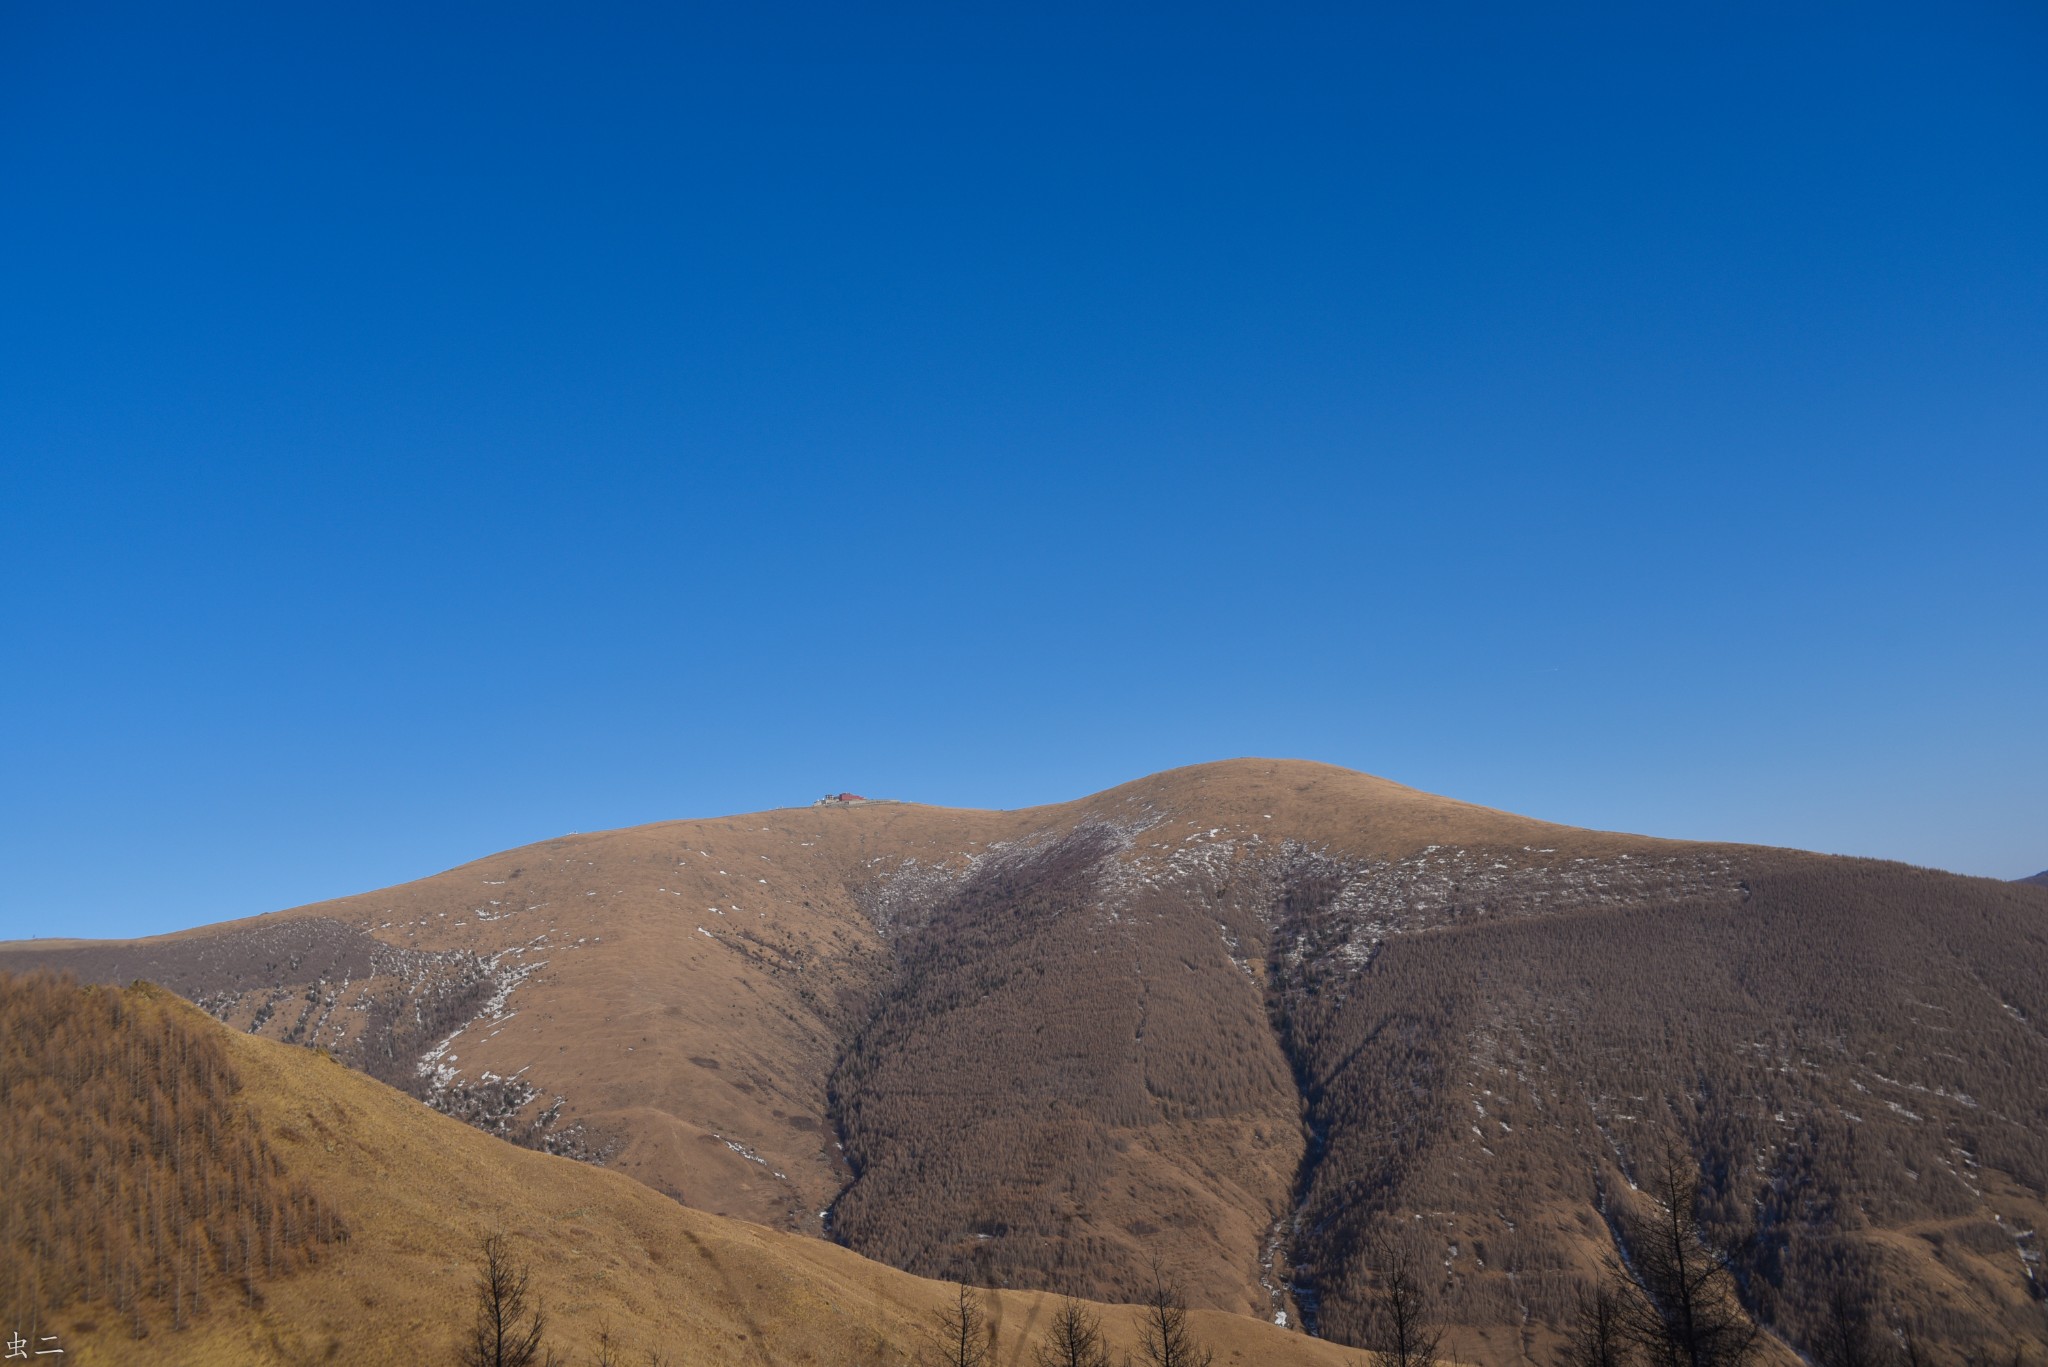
x: 1851, y: 1055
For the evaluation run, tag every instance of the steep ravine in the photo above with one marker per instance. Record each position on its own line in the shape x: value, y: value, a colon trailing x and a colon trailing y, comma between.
x: 1070, y: 1074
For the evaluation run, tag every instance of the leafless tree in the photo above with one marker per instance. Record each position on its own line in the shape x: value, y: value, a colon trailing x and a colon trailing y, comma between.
x: 505, y: 1333
x: 1845, y: 1338
x: 1688, y: 1314
x: 1074, y: 1338
x: 1407, y: 1331
x: 1598, y: 1337
x: 961, y: 1335
x: 1163, y: 1333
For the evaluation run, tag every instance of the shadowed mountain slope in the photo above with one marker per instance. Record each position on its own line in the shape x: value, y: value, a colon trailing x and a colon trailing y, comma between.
x: 1251, y: 1019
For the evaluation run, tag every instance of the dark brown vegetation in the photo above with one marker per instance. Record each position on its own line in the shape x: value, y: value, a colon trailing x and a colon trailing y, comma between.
x: 1596, y: 1337
x: 1490, y: 1046
x: 133, y: 1180
x: 1679, y: 1301
x: 1848, y: 1053
x: 1005, y: 1104
x: 1673, y: 1299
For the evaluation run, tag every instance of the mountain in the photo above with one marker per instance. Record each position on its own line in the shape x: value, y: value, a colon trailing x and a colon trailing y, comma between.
x: 392, y: 1205
x: 1261, y: 1021
x: 2040, y: 878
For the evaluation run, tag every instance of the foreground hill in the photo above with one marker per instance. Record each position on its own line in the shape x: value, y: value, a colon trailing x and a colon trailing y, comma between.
x: 405, y: 1197
x: 1263, y: 1021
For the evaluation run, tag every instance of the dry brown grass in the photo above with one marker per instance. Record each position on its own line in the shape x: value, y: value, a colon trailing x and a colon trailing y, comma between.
x: 421, y: 1191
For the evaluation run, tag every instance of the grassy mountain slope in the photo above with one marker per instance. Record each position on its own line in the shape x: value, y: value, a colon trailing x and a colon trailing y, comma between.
x: 418, y: 1191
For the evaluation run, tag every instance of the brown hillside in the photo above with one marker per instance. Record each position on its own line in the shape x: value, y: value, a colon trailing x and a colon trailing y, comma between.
x: 1246, y: 1018
x: 137, y: 1184
x: 684, y: 988
x: 420, y: 1191
x: 1850, y: 1052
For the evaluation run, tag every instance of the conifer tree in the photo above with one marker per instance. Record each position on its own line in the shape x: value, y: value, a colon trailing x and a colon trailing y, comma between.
x: 504, y: 1333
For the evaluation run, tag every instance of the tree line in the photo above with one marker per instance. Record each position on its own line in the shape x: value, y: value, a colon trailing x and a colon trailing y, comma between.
x: 508, y: 1327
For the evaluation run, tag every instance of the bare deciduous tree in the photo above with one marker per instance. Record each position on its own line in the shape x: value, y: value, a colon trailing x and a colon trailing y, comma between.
x: 1074, y: 1338
x: 1598, y: 1338
x: 1163, y: 1333
x: 1688, y: 1314
x: 1846, y: 1338
x: 1407, y: 1331
x: 961, y: 1335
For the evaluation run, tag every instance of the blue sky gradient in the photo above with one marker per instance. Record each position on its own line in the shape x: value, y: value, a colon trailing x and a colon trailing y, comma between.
x: 422, y: 434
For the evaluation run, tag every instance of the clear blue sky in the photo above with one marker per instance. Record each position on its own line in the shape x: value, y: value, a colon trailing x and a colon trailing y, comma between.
x: 423, y: 433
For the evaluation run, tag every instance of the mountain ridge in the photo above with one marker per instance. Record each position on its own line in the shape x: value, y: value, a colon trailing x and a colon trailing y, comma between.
x: 1008, y: 1044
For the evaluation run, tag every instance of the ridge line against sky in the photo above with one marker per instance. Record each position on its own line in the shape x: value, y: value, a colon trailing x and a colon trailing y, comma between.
x: 424, y: 433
